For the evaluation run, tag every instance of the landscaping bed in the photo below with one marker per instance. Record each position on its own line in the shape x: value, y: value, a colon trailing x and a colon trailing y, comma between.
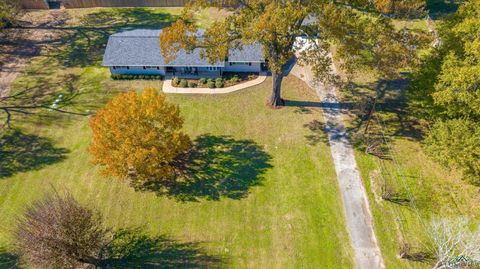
x: 228, y: 80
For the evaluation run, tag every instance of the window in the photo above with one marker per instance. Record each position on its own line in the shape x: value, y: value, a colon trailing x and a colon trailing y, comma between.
x: 212, y: 68
x: 240, y: 63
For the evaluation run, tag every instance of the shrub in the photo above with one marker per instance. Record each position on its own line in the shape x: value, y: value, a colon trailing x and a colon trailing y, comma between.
x: 219, y: 84
x: 58, y: 221
x: 175, y: 81
x: 192, y: 84
x: 218, y: 80
x: 209, y: 80
x: 203, y: 80
x: 183, y: 83
x: 211, y: 84
x: 235, y: 79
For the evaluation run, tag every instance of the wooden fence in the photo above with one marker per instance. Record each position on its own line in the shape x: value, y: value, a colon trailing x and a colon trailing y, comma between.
x: 43, y: 4
x: 33, y: 4
x: 123, y: 3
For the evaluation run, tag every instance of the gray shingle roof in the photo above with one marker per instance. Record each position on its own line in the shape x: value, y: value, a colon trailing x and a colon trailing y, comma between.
x: 142, y: 48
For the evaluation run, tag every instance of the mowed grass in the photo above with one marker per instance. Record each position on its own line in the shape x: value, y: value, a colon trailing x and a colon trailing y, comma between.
x: 294, y: 218
x: 288, y: 216
x: 421, y: 188
x: 434, y: 191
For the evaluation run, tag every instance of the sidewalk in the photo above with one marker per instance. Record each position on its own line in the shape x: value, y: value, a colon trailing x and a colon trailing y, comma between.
x: 168, y: 88
x: 356, y: 207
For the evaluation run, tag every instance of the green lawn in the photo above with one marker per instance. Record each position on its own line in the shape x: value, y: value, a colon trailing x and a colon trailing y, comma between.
x: 275, y: 205
x: 404, y: 167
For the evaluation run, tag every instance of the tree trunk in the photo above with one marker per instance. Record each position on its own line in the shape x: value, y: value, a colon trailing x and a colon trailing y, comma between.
x: 97, y: 263
x: 276, y: 98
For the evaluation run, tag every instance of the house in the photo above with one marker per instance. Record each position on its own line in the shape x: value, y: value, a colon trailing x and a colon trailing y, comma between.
x: 138, y: 52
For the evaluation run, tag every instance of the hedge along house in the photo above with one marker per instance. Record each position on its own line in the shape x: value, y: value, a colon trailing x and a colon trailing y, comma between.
x: 137, y: 52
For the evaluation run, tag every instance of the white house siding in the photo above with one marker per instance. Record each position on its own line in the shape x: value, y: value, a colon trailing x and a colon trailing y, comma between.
x: 138, y: 70
x: 242, y: 67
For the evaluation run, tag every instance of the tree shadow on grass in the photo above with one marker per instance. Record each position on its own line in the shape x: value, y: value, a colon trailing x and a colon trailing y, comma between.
x: 391, y: 109
x: 84, y: 46
x: 21, y: 152
x: 131, y: 248
x: 317, y: 133
x: 441, y: 8
x: 220, y: 166
x: 8, y: 260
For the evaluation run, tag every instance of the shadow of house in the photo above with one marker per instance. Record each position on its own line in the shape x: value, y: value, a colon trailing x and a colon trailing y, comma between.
x: 219, y: 166
x: 21, y: 152
x: 131, y: 248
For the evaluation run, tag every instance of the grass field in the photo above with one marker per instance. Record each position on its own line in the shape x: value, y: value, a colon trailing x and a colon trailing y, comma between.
x: 419, y: 188
x: 270, y: 199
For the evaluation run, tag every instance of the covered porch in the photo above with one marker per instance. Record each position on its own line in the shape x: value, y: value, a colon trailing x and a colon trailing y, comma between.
x: 191, y: 72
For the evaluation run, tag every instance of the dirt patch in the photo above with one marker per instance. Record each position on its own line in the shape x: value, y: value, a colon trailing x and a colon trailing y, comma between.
x: 33, y: 34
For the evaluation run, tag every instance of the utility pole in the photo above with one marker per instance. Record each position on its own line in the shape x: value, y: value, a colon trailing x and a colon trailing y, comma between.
x: 370, y: 114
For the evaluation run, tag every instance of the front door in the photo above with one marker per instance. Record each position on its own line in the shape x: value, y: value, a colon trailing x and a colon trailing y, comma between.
x: 54, y: 4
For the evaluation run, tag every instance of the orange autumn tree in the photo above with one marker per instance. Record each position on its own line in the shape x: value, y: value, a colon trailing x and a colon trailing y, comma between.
x: 138, y: 137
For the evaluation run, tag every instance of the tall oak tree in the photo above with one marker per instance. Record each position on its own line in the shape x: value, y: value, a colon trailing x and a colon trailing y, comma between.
x: 362, y: 38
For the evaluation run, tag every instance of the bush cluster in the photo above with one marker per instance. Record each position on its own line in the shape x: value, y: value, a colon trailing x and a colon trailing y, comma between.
x: 131, y: 77
x: 219, y: 83
x: 235, y: 79
x: 183, y: 83
x: 175, y: 81
x: 210, y: 83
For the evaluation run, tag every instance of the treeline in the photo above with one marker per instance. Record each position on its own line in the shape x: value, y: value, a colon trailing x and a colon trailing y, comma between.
x: 445, y: 91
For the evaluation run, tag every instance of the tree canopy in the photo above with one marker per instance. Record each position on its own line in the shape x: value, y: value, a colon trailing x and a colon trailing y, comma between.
x: 58, y: 232
x: 405, y: 8
x: 8, y: 12
x: 138, y: 136
x: 362, y: 37
x: 446, y: 89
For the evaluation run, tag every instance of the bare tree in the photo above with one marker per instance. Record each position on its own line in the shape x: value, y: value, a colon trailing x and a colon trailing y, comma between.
x: 58, y: 232
x: 455, y: 244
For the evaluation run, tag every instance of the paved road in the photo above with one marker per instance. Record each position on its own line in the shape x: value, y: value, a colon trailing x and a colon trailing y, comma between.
x: 357, y: 209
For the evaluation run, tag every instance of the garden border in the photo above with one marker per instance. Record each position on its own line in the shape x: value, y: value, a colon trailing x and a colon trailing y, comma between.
x: 168, y: 88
